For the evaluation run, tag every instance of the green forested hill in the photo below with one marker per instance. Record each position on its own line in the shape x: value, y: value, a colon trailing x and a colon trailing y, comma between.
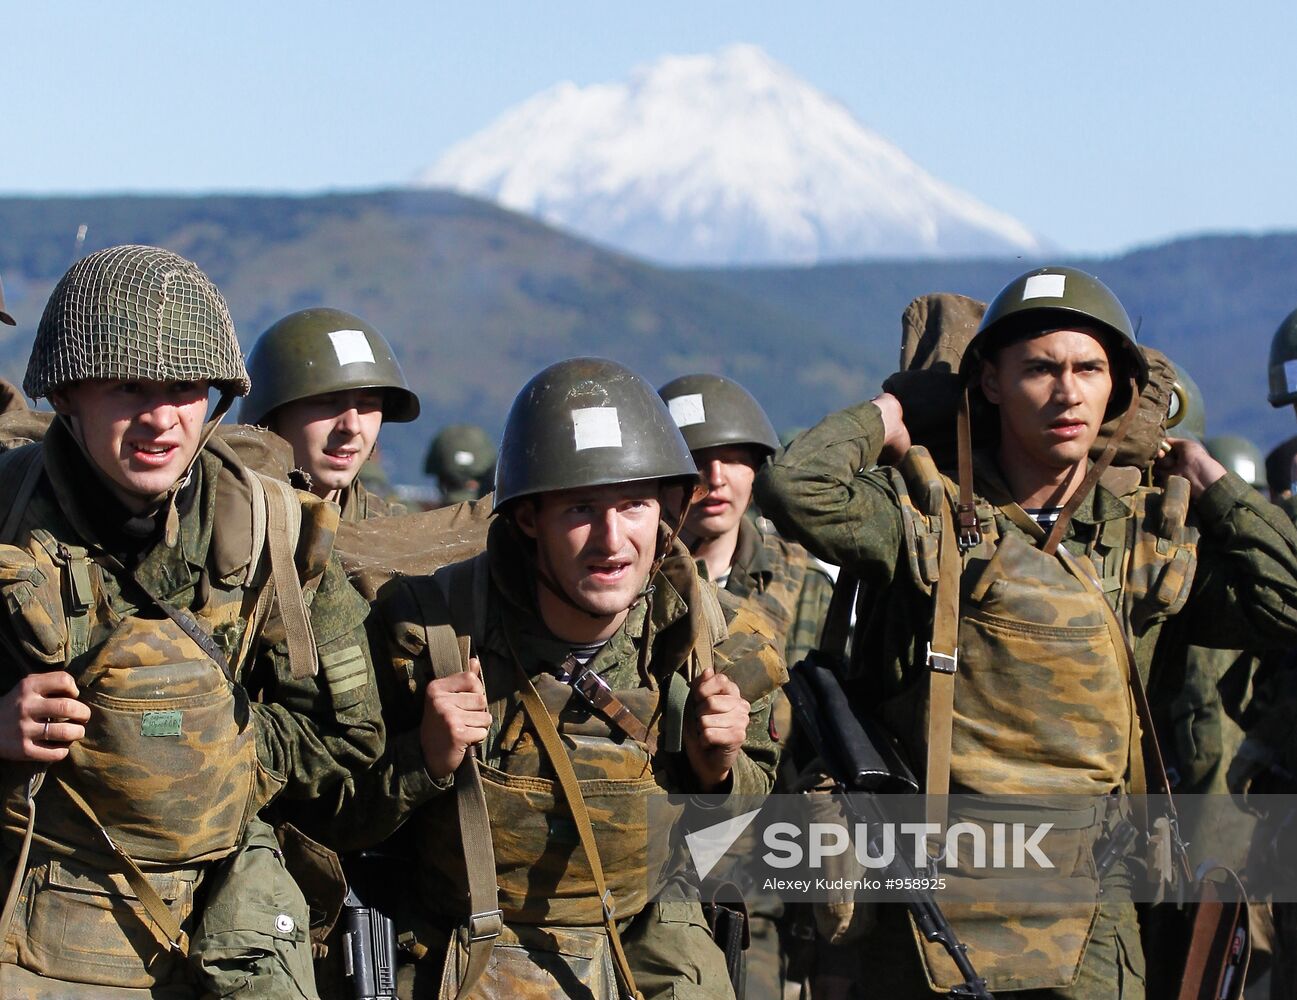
x: 477, y: 299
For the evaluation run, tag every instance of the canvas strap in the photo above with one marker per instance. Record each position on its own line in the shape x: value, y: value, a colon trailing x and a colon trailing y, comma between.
x: 449, y: 649
x: 549, y: 738
x: 942, y: 663
x: 283, y: 527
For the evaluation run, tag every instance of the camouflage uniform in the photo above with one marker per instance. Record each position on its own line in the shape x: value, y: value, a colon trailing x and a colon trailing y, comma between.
x: 1243, y: 595
x: 307, y: 738
x: 359, y: 503
x: 399, y: 787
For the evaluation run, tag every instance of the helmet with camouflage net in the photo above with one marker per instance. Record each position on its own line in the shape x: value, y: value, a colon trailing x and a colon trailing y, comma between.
x: 317, y: 351
x: 1052, y: 298
x: 1283, y: 362
x: 588, y: 422
x: 1240, y: 456
x: 1186, y: 414
x: 135, y: 313
x: 461, y: 454
x: 712, y: 410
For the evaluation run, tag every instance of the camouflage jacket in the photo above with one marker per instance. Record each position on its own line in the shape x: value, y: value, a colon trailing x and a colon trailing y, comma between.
x: 307, y: 734
x: 357, y: 503
x: 782, y: 581
x: 379, y: 800
x: 1244, y: 593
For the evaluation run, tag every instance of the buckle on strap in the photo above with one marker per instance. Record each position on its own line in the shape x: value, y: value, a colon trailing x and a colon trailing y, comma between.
x: 485, y: 926
x: 945, y: 663
x: 609, y: 907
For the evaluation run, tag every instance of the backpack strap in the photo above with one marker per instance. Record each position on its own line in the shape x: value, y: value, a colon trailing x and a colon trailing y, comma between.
x: 283, y: 527
x: 452, y: 594
x: 22, y: 466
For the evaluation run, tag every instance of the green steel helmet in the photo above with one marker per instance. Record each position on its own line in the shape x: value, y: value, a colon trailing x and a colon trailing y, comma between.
x: 135, y: 313
x: 317, y: 351
x: 712, y: 410
x: 1050, y: 298
x: 1186, y: 414
x: 1283, y: 362
x: 1240, y: 456
x: 588, y: 422
x: 460, y: 453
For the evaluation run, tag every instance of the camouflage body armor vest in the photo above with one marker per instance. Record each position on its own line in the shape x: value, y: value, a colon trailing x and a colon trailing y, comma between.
x: 167, y: 776
x: 1042, y: 703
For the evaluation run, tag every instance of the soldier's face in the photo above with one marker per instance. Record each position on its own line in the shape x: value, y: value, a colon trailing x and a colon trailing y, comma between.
x: 728, y: 472
x: 141, y: 435
x: 1052, y: 392
x: 332, y: 435
x: 596, y: 543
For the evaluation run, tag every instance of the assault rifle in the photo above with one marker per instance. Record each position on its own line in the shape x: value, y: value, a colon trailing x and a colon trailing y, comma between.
x: 368, y: 934
x: 863, y: 766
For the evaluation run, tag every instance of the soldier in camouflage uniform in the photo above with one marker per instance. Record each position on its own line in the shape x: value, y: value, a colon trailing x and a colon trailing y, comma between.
x: 583, y: 588
x: 1032, y: 708
x: 325, y: 381
x: 462, y: 457
x: 162, y: 671
x: 730, y: 437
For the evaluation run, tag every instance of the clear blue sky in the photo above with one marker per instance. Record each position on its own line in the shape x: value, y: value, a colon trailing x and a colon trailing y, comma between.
x: 1101, y: 125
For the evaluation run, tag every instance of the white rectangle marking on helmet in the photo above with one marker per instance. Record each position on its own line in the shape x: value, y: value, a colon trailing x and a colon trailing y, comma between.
x: 1246, y: 469
x: 596, y: 427
x: 351, y: 347
x: 1044, y: 286
x: 688, y: 409
x: 1290, y: 375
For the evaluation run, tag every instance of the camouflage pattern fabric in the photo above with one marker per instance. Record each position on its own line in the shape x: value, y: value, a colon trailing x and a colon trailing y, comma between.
x: 1242, y: 594
x: 295, y: 737
x: 542, y: 872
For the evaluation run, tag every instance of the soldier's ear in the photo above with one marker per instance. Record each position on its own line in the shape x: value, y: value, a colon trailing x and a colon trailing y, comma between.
x: 988, y: 378
x: 59, y: 400
x: 524, y: 516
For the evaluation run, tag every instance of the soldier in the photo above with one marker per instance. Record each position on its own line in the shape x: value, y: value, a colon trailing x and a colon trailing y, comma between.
x: 162, y: 671
x: 325, y: 381
x: 730, y: 438
x: 1030, y: 708
x: 462, y: 457
x: 1281, y: 472
x: 1283, y: 363
x: 587, y: 616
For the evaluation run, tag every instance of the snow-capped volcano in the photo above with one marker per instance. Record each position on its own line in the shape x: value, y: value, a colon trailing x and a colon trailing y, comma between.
x: 719, y: 159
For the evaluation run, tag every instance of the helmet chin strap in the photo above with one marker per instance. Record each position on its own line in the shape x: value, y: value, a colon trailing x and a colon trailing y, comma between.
x: 171, y: 531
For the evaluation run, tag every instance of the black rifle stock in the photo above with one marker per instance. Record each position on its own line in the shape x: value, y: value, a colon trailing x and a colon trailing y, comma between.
x: 862, y: 766
x: 368, y: 934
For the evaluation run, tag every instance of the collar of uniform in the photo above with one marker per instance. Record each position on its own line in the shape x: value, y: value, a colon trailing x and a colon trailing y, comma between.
x: 753, y: 568
x: 1101, y: 505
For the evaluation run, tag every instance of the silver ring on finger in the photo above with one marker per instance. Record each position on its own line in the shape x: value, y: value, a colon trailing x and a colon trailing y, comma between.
x: 45, y: 733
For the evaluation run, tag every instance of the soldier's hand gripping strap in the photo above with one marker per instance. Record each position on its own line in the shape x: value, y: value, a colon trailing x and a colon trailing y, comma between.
x: 283, y: 526
x: 549, y: 738
x: 448, y: 648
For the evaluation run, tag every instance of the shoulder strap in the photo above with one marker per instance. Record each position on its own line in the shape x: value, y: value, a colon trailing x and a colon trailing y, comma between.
x: 549, y: 738
x: 282, y: 529
x: 943, y: 663
x: 22, y: 466
x: 448, y: 650
x: 714, y: 630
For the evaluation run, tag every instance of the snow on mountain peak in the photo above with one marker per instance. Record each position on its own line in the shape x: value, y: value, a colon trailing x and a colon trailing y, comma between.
x: 719, y: 159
